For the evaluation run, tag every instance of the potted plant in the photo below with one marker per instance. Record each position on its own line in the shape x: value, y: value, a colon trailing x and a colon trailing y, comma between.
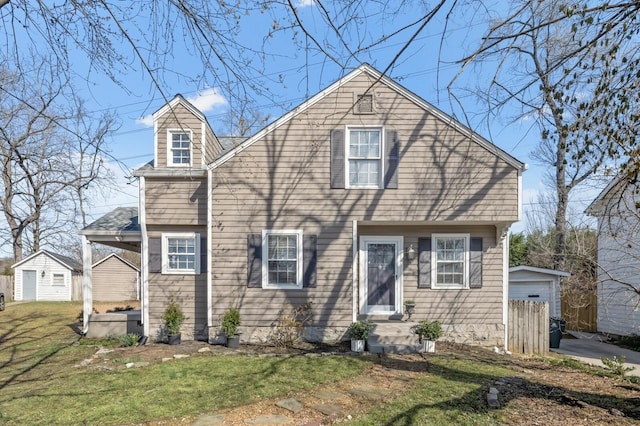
x: 230, y: 323
x: 359, y: 333
x: 173, y: 318
x: 428, y: 332
x: 409, y: 307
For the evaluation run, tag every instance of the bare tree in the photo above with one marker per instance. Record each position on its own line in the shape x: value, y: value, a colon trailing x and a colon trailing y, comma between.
x: 49, y: 155
x: 572, y: 69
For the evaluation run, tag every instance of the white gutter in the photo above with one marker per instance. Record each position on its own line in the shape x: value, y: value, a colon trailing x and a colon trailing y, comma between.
x: 87, y: 296
x: 209, y: 248
x: 144, y: 306
x: 354, y: 270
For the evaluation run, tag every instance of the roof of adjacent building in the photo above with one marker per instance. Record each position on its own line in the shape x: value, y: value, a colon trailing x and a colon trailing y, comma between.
x: 65, y: 261
x: 121, y: 219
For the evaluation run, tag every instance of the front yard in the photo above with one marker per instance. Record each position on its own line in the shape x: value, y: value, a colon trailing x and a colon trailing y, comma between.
x: 50, y: 375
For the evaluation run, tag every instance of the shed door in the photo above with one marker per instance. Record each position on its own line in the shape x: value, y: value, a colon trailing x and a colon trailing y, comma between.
x: 28, y: 285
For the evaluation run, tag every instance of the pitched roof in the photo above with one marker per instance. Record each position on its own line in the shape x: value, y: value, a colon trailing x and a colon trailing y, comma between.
x: 617, y: 185
x: 123, y: 260
x: 539, y: 270
x: 121, y: 219
x: 366, y: 68
x: 65, y: 261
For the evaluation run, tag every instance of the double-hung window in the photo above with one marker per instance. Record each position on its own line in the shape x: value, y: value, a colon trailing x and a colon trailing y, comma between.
x: 450, y: 257
x: 282, y: 259
x: 179, y: 148
x: 181, y: 253
x: 364, y: 157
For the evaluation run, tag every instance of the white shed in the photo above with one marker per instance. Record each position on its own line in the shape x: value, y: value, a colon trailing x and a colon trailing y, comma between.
x: 537, y: 284
x: 45, y: 276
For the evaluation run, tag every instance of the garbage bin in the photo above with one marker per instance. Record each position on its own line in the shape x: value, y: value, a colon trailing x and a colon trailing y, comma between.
x: 555, y: 333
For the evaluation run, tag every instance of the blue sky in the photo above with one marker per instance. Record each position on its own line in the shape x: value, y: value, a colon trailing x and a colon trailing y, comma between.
x: 425, y: 68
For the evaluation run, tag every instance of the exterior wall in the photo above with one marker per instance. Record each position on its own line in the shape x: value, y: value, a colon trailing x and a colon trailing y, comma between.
x: 177, y: 201
x: 619, y: 266
x: 45, y: 290
x: 202, y: 136
x: 114, y: 280
x: 190, y: 291
x: 283, y: 182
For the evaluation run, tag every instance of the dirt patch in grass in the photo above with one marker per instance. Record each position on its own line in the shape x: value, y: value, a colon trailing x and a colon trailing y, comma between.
x: 531, y: 391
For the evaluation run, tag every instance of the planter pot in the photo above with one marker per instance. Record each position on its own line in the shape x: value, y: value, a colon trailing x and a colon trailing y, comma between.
x: 233, y: 342
x: 173, y: 339
x: 357, y: 345
x: 428, y: 346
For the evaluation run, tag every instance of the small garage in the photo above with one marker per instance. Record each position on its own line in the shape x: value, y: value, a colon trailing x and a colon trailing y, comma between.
x: 47, y: 276
x: 115, y: 279
x: 536, y: 284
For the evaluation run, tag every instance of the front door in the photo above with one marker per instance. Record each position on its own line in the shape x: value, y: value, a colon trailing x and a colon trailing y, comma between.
x: 28, y: 285
x: 381, y: 274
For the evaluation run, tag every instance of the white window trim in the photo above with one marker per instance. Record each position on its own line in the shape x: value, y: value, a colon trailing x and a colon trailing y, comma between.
x: 434, y: 261
x: 170, y: 162
x: 347, y: 138
x: 165, y: 251
x: 53, y: 282
x: 265, y: 259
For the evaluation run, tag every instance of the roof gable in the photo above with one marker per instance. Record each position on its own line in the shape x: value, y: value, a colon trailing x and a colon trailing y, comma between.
x: 121, y: 259
x: 366, y: 68
x: 179, y: 100
x: 618, y: 185
x: 65, y: 261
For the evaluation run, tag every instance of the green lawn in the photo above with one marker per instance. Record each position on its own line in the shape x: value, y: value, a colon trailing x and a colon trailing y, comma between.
x: 41, y: 384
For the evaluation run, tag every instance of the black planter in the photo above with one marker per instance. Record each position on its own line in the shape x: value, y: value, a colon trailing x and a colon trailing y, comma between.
x: 173, y: 339
x: 233, y: 341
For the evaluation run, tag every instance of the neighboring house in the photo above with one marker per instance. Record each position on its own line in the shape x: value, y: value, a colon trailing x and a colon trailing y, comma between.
x: 538, y: 285
x: 360, y: 198
x: 617, y: 209
x: 115, y: 279
x: 46, y: 276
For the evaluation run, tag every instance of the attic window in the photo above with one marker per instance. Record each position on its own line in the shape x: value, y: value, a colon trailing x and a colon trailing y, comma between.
x: 364, y: 104
x: 179, y: 148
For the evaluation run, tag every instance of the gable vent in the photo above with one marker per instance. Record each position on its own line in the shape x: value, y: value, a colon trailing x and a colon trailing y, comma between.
x: 364, y: 104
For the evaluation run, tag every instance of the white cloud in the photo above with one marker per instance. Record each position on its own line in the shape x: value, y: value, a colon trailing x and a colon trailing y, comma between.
x: 305, y: 3
x: 207, y: 99
x: 146, y: 121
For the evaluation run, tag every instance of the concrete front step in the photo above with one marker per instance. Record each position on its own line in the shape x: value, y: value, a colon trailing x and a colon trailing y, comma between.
x: 393, y: 337
x: 392, y: 348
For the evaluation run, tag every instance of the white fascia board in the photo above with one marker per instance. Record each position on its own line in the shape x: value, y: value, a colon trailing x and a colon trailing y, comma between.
x: 178, y: 99
x: 539, y: 270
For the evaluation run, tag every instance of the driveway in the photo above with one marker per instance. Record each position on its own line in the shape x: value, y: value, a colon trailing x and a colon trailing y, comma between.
x: 589, y: 348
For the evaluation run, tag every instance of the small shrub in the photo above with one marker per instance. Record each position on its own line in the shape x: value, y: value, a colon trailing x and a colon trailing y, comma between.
x: 616, y: 365
x: 173, y: 317
x: 428, y: 330
x: 289, y: 326
x: 230, y: 322
x: 359, y: 330
x: 128, y: 339
x: 630, y: 342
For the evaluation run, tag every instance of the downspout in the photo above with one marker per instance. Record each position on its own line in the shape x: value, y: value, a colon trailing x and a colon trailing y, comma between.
x: 504, y: 240
x: 87, y: 297
x: 144, y: 267
x: 354, y: 270
x: 209, y: 250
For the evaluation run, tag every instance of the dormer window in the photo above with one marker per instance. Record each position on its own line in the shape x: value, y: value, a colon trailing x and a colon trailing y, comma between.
x: 179, y: 154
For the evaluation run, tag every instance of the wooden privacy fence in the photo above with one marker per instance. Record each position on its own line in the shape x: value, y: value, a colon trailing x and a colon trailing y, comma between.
x: 580, y: 308
x: 76, y: 287
x: 528, y: 327
x: 6, y: 286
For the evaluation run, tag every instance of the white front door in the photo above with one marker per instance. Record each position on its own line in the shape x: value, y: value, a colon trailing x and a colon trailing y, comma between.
x: 380, y: 275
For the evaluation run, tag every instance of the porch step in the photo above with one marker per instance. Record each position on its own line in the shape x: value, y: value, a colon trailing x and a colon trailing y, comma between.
x: 393, y: 337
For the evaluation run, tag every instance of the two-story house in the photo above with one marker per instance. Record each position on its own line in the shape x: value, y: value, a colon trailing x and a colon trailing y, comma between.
x: 360, y: 198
